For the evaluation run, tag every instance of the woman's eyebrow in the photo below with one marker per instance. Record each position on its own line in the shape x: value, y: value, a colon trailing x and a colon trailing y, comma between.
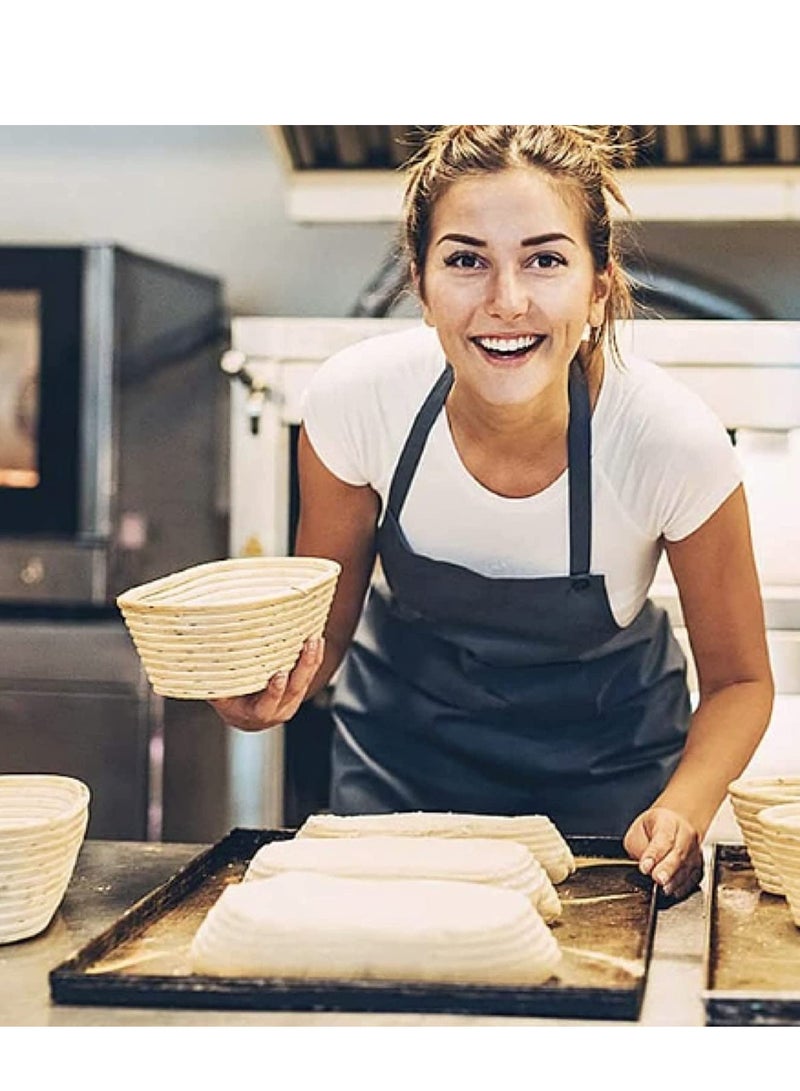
x: 553, y: 236
x: 467, y: 240
x: 533, y: 240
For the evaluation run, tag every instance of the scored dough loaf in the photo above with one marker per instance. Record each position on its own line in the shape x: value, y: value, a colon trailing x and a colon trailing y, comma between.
x: 537, y: 832
x: 478, y: 860
x: 301, y: 925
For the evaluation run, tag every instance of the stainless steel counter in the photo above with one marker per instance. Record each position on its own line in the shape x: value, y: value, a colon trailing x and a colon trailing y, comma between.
x: 110, y: 876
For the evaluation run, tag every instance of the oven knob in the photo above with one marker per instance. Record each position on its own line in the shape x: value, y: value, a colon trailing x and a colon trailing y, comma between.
x: 32, y: 572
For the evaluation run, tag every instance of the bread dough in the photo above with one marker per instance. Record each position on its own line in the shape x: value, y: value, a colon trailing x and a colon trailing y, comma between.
x: 478, y: 860
x: 536, y: 832
x: 301, y: 925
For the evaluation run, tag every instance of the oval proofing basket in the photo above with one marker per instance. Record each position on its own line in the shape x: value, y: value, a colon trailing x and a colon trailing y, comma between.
x: 222, y: 629
x: 43, y: 819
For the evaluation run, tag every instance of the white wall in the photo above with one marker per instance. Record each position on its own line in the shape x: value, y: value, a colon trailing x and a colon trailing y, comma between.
x: 209, y: 197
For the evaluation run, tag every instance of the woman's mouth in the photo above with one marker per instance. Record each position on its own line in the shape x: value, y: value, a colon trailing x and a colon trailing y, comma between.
x: 508, y: 350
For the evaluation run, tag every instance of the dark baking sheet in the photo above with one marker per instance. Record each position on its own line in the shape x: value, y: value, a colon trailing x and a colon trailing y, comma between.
x: 752, y: 949
x: 605, y: 933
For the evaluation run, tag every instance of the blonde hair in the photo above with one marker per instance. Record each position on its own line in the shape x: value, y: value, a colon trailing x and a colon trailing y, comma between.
x: 582, y: 159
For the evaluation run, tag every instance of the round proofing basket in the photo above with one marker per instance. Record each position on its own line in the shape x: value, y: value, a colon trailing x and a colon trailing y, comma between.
x: 750, y: 796
x: 757, y: 789
x: 223, y: 629
x: 43, y: 821
x: 781, y: 826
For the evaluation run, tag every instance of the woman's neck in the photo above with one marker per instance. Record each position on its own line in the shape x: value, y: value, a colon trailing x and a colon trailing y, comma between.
x: 515, y: 450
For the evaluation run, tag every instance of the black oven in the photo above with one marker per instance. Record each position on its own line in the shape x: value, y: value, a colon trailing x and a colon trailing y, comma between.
x: 111, y: 421
x: 41, y: 298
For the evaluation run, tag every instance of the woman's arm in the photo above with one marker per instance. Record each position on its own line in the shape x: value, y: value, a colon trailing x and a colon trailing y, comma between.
x: 337, y: 521
x: 719, y: 592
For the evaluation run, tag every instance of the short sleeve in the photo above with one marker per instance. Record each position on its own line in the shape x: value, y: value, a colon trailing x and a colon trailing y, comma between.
x: 332, y: 412
x: 361, y: 401
x: 698, y: 470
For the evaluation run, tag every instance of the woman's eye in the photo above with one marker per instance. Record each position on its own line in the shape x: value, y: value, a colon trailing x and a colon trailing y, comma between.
x: 547, y: 261
x: 463, y: 260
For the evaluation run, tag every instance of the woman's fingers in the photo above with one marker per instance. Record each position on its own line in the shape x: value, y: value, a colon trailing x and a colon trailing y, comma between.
x: 686, y: 879
x: 658, y: 848
x: 303, y: 674
x: 682, y: 845
x: 250, y: 713
x: 280, y: 700
x: 667, y: 846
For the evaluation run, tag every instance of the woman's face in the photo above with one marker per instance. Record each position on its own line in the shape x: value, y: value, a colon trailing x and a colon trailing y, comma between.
x: 509, y: 283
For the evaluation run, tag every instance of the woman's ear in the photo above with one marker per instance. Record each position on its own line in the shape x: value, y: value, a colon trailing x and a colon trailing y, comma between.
x: 600, y: 295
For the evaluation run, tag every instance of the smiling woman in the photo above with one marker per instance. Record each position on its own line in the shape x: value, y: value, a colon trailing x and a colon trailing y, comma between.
x: 576, y: 162
x: 519, y: 481
x: 510, y: 310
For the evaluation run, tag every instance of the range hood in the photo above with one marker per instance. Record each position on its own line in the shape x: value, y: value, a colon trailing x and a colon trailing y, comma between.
x: 349, y: 173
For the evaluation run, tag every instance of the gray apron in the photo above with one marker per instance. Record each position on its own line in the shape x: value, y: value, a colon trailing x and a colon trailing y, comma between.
x: 463, y: 692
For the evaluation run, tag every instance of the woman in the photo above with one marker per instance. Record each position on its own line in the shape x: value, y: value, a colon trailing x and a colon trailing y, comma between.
x: 519, y: 482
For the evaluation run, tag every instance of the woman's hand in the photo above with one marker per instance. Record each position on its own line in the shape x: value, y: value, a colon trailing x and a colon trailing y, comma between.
x: 280, y: 700
x: 667, y: 847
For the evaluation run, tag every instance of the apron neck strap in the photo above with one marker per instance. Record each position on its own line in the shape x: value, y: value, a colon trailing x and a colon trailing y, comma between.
x: 579, y: 455
x: 416, y: 439
x: 579, y: 452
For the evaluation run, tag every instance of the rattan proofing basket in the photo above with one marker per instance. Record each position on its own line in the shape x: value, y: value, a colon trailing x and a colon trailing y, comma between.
x: 749, y: 796
x: 222, y: 629
x: 43, y: 819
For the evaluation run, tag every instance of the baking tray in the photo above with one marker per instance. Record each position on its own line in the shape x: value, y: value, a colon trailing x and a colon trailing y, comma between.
x: 606, y: 933
x: 752, y: 949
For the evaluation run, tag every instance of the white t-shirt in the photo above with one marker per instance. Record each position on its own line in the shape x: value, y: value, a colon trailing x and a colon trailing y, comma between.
x: 662, y: 463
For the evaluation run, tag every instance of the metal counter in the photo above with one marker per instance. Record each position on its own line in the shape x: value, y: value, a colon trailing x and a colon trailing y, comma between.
x: 111, y: 875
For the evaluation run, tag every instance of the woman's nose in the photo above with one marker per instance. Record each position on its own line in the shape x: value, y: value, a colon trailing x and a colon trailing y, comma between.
x: 506, y: 295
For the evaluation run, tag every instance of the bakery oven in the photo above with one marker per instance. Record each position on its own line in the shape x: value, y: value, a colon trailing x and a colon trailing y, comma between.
x: 748, y: 371
x: 85, y: 429
x: 113, y: 451
x: 40, y: 292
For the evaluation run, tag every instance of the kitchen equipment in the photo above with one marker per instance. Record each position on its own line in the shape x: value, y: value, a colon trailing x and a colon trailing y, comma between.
x: 349, y: 173
x: 42, y: 825
x: 747, y: 371
x: 110, y: 399
x: 113, y: 456
x: 224, y: 628
x: 605, y: 933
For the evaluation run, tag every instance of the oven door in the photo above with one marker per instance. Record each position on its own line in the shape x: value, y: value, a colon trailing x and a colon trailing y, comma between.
x: 40, y: 379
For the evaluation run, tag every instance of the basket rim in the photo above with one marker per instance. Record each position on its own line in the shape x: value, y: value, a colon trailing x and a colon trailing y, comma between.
x: 135, y: 598
x: 76, y: 802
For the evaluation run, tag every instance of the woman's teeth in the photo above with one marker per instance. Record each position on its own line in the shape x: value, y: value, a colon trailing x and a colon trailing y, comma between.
x: 507, y: 346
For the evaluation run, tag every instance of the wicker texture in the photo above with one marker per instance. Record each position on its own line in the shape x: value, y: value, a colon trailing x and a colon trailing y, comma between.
x: 749, y: 797
x: 781, y: 826
x: 43, y: 822
x: 223, y: 629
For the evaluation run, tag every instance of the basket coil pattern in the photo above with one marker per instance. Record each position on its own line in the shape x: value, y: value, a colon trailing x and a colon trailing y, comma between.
x: 781, y: 825
x: 224, y: 628
x: 43, y: 821
x: 749, y: 797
